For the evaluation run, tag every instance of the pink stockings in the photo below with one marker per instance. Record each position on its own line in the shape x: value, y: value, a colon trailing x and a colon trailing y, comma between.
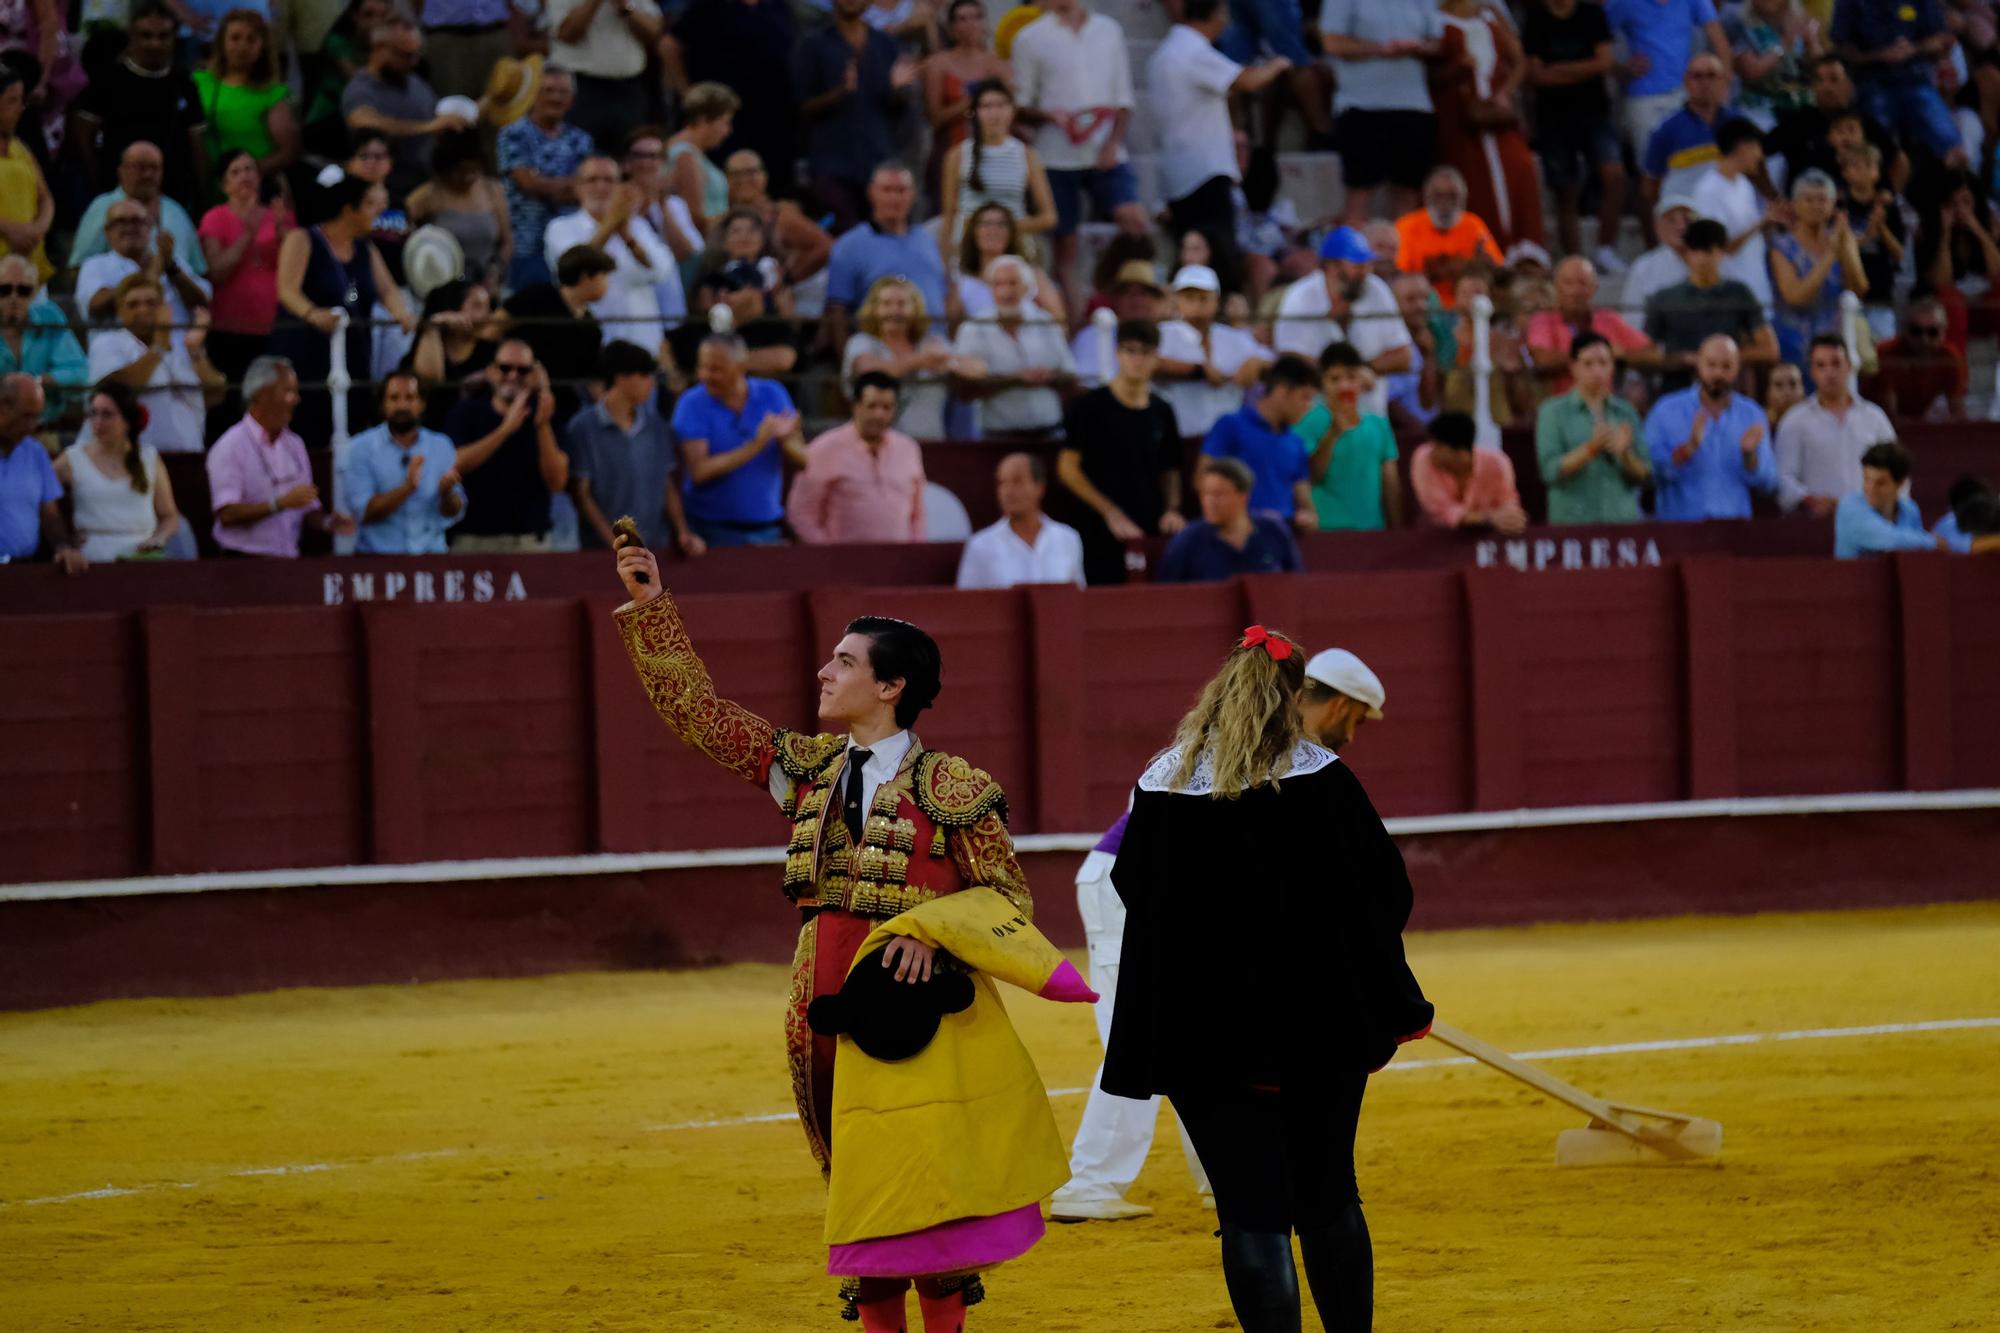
x: 882, y: 1306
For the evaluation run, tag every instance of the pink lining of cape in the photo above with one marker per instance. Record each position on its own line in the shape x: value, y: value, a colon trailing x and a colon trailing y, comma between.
x: 949, y: 1247
x: 1067, y: 985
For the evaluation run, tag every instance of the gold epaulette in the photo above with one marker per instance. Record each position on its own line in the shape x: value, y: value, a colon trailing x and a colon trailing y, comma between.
x: 952, y: 792
x: 803, y: 758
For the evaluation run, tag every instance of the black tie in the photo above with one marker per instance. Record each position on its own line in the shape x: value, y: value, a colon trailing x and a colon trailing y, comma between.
x: 856, y: 761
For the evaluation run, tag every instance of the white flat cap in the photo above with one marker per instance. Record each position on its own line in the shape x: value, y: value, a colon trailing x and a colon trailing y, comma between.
x: 1338, y: 669
x: 1196, y: 278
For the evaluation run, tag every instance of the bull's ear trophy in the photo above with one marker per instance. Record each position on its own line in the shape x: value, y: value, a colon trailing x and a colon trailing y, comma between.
x: 626, y: 533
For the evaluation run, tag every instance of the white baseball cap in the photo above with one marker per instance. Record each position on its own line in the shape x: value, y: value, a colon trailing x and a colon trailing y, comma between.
x: 1669, y: 202
x: 1338, y: 669
x: 1196, y: 278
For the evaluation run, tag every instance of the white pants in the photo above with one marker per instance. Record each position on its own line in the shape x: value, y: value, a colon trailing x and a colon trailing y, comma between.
x: 1117, y: 1132
x: 1647, y: 113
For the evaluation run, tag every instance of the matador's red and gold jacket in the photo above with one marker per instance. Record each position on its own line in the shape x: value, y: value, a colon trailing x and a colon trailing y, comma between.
x: 937, y: 827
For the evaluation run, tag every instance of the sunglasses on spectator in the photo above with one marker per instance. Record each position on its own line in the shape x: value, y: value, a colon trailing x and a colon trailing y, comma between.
x: 128, y: 222
x: 645, y: 152
x: 16, y: 289
x: 513, y: 368
x: 1916, y: 330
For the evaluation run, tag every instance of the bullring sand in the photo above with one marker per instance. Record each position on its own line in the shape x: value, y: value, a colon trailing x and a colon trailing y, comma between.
x: 609, y: 1151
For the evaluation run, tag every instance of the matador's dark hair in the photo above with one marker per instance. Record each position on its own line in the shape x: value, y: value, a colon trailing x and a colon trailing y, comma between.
x: 898, y: 650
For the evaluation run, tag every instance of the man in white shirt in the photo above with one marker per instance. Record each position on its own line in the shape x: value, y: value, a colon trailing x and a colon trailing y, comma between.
x: 1026, y: 545
x: 174, y: 385
x: 1205, y: 367
x: 1726, y: 193
x: 646, y: 285
x: 1345, y: 300
x: 1075, y: 87
x: 1821, y: 440
x: 1666, y: 263
x: 1190, y: 83
x: 136, y: 246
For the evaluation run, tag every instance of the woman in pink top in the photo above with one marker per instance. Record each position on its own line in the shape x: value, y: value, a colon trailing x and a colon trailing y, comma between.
x: 240, y: 239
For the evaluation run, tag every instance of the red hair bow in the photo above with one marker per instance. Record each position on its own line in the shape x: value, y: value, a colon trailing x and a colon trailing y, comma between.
x: 1257, y: 636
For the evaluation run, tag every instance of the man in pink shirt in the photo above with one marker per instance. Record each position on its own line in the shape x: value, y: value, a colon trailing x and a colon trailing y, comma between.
x: 1458, y: 486
x: 1550, y: 332
x: 862, y: 482
x: 259, y: 479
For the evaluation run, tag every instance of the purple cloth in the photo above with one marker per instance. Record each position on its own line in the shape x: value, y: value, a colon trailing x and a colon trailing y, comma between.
x: 247, y: 467
x: 1113, y: 836
x: 949, y: 1247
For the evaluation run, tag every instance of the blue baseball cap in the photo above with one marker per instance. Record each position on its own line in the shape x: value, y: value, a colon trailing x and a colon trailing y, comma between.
x: 1347, y: 244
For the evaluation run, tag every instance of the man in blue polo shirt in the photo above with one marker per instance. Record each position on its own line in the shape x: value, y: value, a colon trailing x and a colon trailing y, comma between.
x: 1260, y: 437
x: 1229, y: 538
x: 1660, y: 37
x: 735, y: 433
x: 1709, y: 444
x: 1681, y: 150
x: 884, y: 246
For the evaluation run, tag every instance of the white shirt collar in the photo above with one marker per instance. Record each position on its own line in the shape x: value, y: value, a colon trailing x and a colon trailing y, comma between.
x: 886, y: 753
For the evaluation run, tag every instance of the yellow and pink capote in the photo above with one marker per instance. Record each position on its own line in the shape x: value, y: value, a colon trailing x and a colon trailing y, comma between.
x: 941, y: 1161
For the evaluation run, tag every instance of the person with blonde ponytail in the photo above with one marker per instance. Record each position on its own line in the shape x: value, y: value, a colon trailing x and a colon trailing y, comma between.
x: 1263, y: 979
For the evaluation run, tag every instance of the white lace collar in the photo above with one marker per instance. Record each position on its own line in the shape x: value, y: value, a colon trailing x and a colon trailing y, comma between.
x: 1306, y: 757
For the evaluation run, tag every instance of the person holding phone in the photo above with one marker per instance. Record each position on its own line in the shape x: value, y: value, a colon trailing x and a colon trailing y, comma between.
x: 1351, y: 458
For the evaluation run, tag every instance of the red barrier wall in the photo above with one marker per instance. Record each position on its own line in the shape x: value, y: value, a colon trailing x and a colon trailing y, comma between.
x: 177, y: 739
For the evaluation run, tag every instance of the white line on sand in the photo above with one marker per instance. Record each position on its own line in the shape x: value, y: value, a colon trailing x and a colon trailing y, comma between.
x: 296, y: 1169
x: 1556, y: 1053
x: 780, y: 1117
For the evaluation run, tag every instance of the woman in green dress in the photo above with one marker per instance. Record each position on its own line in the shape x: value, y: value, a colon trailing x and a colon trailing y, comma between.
x: 243, y: 100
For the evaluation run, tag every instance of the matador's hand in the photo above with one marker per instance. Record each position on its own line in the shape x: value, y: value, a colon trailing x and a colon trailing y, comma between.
x: 916, y: 965
x: 637, y: 568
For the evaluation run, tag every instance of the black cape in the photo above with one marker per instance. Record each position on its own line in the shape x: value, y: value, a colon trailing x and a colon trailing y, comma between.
x: 1263, y: 935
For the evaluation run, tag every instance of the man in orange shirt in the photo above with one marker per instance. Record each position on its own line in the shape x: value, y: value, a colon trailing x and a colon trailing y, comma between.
x: 1437, y: 239
x: 1458, y: 486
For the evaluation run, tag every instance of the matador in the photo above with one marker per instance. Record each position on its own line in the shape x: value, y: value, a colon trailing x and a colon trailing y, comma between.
x: 884, y: 832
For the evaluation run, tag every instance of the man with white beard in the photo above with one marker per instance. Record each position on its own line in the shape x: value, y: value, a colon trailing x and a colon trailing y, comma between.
x: 646, y: 285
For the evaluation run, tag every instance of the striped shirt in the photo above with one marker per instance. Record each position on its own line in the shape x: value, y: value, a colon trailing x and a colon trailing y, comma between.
x: 1003, y: 179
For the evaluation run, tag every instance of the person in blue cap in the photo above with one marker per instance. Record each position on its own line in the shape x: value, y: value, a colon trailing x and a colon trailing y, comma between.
x: 1346, y: 301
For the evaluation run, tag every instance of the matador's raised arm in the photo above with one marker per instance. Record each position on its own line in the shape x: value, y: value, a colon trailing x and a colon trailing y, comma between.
x: 678, y: 684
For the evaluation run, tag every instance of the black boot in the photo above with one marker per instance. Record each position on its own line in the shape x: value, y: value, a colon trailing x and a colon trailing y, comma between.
x: 1340, y: 1265
x: 1263, y: 1282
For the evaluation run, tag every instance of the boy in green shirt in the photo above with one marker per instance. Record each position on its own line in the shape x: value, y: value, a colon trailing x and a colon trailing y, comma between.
x: 1587, y: 443
x: 1355, y: 486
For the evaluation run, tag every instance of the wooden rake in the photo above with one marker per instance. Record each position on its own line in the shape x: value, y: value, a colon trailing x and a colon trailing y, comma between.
x: 1618, y: 1134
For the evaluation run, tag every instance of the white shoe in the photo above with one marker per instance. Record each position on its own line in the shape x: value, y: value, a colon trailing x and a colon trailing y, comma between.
x: 1095, y: 1210
x: 1608, y: 260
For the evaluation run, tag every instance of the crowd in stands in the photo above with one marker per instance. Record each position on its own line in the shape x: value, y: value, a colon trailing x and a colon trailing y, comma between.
x: 722, y: 264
